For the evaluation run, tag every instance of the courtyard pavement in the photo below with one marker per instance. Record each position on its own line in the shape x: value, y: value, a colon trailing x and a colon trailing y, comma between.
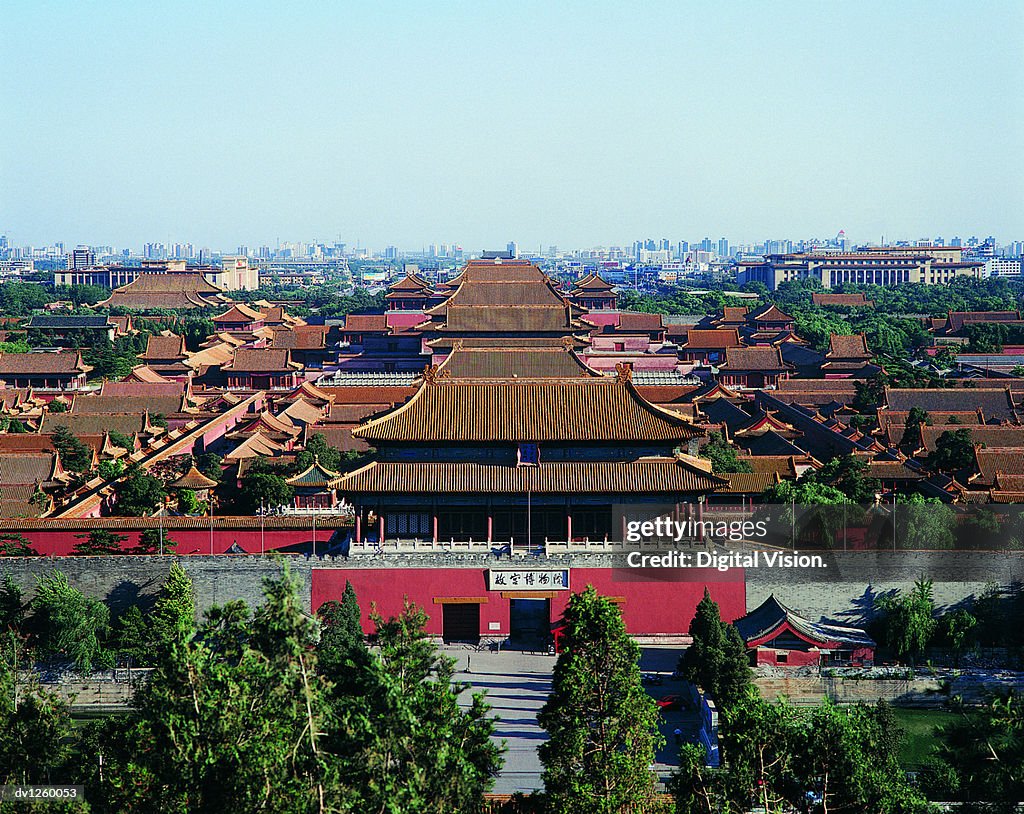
x: 517, y: 684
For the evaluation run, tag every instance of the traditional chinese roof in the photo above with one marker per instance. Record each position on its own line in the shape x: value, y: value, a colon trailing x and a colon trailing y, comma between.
x: 367, y: 323
x: 991, y: 462
x: 996, y: 403
x: 646, y: 475
x: 584, y: 409
x: 410, y: 282
x: 748, y: 483
x: 593, y: 283
x: 313, y: 476
x: 732, y: 315
x: 106, y: 404
x: 277, y: 427
x: 307, y: 391
x: 16, y: 500
x: 769, y: 313
x: 164, y: 346
x: 767, y: 422
x: 957, y: 319
x: 30, y: 467
x: 513, y: 363
x: 255, y: 446
x: 69, y: 321
x: 145, y: 374
x: 171, y: 289
x: 848, y: 347
x: 301, y: 337
x: 65, y: 362
x: 785, y: 466
x: 765, y: 358
x: 193, y: 479
x: 985, y: 434
x: 261, y: 360
x: 509, y: 296
x: 303, y: 411
x: 134, y: 389
x: 239, y: 314
x: 96, y: 424
x: 700, y: 338
x: 771, y: 618
x: 846, y: 300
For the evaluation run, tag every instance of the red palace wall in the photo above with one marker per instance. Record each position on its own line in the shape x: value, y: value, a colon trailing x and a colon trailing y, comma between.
x: 655, y: 607
x: 60, y: 542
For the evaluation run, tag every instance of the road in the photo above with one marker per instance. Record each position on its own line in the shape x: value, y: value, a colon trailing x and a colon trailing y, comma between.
x: 518, y: 683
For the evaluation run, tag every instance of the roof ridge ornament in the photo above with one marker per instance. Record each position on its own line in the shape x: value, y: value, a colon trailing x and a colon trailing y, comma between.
x: 623, y: 372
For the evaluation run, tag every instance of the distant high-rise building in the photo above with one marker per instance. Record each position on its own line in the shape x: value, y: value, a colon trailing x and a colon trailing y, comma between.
x: 513, y: 249
x: 723, y: 247
x: 705, y: 245
x: 956, y: 242
x: 391, y: 253
x: 81, y: 258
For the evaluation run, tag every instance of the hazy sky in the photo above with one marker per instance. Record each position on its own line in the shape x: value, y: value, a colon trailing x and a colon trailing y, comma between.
x: 564, y: 123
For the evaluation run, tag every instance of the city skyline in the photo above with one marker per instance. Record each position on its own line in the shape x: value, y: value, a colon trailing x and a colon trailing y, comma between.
x: 400, y: 124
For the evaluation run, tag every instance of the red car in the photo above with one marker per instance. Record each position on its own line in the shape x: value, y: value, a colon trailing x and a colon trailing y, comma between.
x: 670, y: 702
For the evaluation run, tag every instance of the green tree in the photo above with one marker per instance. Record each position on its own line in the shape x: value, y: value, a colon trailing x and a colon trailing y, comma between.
x: 98, y: 542
x: 133, y: 638
x: 174, y: 615
x: 980, y: 758
x: 264, y: 489
x: 74, y: 455
x: 957, y: 629
x: 924, y: 523
x: 121, y: 440
x: 342, y: 654
x: 153, y: 541
x: 318, y: 449
x: 909, y: 620
x: 916, y: 419
x: 722, y: 455
x: 110, y: 469
x: 601, y: 723
x: 954, y: 450
x: 233, y: 719
x: 848, y: 475
x: 716, y: 660
x: 15, y: 545
x: 71, y: 625
x: 406, y: 744
x: 138, y: 494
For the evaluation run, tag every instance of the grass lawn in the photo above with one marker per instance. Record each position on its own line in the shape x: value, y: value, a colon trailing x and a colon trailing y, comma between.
x: 918, y: 726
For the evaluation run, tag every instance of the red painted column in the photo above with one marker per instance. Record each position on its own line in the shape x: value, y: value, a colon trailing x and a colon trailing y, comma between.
x: 568, y: 527
x: 490, y: 527
x: 435, y: 527
x: 380, y: 523
x: 359, y: 524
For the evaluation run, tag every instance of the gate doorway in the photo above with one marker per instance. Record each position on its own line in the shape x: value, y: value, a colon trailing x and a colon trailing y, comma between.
x: 460, y: 622
x: 529, y: 623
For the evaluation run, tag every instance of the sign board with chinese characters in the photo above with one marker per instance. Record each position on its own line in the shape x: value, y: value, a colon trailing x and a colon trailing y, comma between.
x: 527, y: 579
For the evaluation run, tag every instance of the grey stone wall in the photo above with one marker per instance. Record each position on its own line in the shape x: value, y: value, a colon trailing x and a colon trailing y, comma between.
x: 844, y: 592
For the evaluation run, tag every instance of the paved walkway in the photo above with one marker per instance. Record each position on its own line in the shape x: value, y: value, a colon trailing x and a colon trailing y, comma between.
x: 517, y: 684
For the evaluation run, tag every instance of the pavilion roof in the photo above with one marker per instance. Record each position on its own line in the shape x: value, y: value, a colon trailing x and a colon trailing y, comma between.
x: 581, y: 409
x: 313, y: 476
x: 771, y: 618
x: 513, y: 363
x: 193, y: 479
x: 171, y: 289
x: 652, y: 475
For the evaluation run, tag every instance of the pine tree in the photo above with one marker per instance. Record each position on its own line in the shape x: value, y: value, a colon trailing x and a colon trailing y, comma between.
x: 602, y: 724
x: 734, y: 677
x: 702, y: 662
x: 406, y: 744
x: 174, y: 614
x: 342, y: 654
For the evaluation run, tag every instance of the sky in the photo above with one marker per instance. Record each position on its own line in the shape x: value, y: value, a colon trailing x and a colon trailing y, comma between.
x: 572, y: 123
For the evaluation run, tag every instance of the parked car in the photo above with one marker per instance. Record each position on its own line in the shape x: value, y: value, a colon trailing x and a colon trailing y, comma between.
x: 670, y: 702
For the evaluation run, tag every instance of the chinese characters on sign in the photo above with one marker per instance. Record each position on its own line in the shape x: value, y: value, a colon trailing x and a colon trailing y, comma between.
x: 527, y: 579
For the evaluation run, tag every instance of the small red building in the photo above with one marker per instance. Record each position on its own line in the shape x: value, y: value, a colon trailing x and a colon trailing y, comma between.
x: 776, y: 635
